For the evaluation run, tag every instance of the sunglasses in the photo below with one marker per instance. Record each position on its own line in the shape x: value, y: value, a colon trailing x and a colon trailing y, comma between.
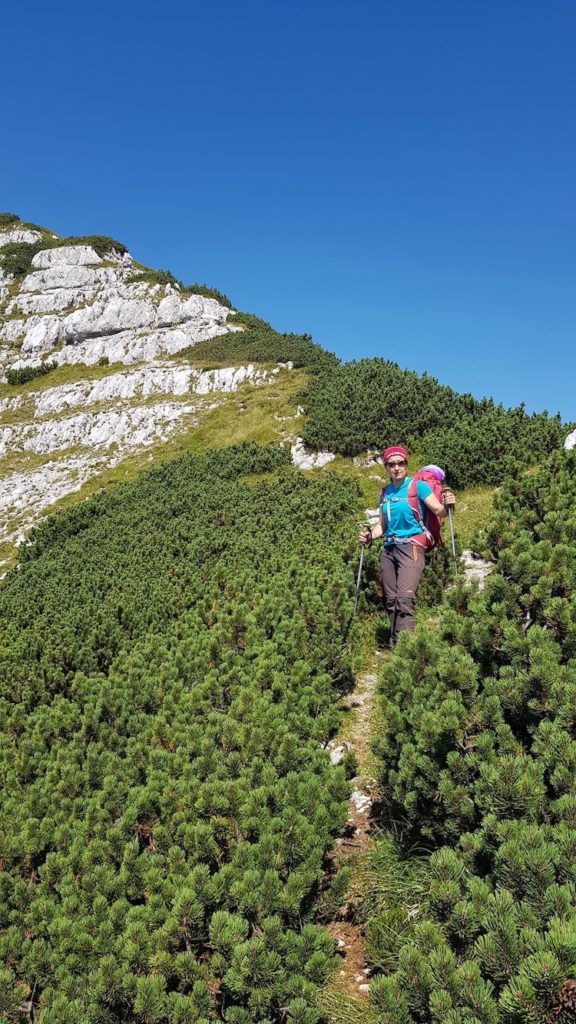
x: 396, y: 465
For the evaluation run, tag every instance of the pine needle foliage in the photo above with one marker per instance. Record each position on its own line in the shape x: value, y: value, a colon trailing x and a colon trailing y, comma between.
x: 479, y: 757
x: 172, y: 654
x: 373, y: 403
x: 258, y: 342
x: 26, y: 373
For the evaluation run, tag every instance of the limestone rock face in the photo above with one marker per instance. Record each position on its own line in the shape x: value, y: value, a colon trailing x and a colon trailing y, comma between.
x: 570, y: 441
x: 67, y: 256
x: 19, y: 235
x: 76, y: 307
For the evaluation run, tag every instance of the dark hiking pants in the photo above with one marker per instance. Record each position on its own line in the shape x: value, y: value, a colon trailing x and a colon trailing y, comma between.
x: 402, y: 566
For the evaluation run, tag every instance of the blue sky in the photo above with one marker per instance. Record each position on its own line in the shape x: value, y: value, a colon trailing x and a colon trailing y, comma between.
x: 396, y: 179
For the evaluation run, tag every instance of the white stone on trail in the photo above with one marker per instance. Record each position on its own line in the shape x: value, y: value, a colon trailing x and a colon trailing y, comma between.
x: 475, y: 569
x: 361, y: 801
x: 570, y: 441
x: 338, y: 753
x: 303, y: 458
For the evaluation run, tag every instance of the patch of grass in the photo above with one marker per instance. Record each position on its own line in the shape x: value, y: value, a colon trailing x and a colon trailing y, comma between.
x: 340, y: 1008
x: 22, y: 462
x: 208, y: 292
x: 387, y: 879
x: 68, y: 373
x: 7, y: 556
x: 473, y: 507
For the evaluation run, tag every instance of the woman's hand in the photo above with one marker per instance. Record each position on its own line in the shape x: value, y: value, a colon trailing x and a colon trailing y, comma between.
x: 365, y: 535
x: 448, y: 498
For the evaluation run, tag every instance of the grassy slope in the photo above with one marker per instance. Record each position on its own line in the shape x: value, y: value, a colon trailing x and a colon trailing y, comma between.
x: 248, y: 414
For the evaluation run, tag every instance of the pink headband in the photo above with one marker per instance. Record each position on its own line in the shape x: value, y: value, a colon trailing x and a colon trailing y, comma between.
x: 395, y: 450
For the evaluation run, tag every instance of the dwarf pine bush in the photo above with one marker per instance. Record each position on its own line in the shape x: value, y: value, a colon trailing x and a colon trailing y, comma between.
x: 27, y: 373
x: 172, y: 653
x: 478, y: 754
x: 373, y: 403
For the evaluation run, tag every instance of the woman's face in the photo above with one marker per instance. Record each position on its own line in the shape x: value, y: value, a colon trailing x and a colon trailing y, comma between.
x: 396, y: 467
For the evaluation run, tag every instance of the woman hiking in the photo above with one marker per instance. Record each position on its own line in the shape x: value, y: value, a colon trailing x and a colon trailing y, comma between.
x: 405, y: 538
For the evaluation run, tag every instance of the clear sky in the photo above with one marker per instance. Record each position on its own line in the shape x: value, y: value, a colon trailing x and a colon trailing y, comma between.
x: 398, y: 179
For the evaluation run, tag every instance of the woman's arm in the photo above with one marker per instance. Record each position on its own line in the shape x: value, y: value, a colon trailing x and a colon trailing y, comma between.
x: 440, y: 508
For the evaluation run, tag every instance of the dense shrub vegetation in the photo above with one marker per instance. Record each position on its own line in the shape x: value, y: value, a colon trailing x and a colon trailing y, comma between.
x: 479, y: 760
x: 26, y: 373
x: 260, y: 343
x: 170, y: 662
x: 374, y: 403
x: 208, y: 292
x: 7, y: 219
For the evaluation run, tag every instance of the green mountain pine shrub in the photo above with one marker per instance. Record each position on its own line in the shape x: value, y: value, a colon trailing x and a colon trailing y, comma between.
x: 260, y: 343
x: 26, y: 373
x: 373, y: 403
x: 479, y: 757
x: 171, y: 660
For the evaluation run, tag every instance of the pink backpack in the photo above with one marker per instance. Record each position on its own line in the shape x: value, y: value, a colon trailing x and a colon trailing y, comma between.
x: 430, y: 524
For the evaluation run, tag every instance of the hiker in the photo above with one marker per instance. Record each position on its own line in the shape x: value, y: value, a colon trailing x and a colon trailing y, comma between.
x: 405, y: 536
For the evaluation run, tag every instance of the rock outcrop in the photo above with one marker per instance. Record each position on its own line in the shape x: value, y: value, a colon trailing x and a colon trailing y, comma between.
x: 77, y: 307
x: 570, y: 441
x: 303, y: 458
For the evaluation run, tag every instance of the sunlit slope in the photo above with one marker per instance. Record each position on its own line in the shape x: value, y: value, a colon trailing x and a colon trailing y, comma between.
x: 172, y: 656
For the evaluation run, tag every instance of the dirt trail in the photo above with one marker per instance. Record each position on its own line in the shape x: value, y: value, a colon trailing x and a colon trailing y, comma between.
x: 352, y: 982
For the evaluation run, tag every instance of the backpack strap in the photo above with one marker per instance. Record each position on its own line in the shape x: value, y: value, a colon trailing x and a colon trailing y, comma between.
x: 415, y: 506
x: 388, y: 500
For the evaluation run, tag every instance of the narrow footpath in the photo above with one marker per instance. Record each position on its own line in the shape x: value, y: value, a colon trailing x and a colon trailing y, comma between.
x: 346, y: 998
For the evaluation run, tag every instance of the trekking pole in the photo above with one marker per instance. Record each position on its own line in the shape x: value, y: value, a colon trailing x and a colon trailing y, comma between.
x: 453, y: 541
x: 358, y: 581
